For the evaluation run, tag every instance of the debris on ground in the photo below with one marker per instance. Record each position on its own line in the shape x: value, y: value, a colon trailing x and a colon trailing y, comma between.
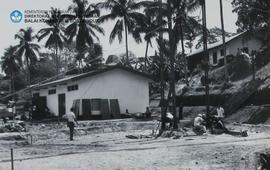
x: 138, y: 136
x: 13, y: 126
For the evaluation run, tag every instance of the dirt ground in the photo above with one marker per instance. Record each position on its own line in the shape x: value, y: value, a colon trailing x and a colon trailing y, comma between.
x: 104, y: 145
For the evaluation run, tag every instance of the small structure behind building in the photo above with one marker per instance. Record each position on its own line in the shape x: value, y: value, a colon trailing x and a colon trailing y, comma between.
x: 243, y: 41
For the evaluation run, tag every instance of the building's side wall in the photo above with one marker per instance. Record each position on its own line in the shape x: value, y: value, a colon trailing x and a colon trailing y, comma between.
x: 252, y: 44
x: 131, y: 90
x: 232, y: 47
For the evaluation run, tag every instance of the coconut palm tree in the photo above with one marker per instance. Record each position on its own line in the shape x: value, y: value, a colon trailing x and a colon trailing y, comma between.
x: 150, y: 29
x: 185, y: 25
x: 128, y: 17
x: 83, y: 26
x: 54, y: 32
x: 9, y: 65
x: 27, y: 50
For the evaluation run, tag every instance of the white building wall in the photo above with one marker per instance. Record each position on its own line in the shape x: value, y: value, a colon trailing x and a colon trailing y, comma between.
x: 219, y: 56
x: 232, y: 47
x: 252, y: 44
x: 131, y: 90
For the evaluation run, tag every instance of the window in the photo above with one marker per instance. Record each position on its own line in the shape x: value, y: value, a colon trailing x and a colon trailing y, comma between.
x: 222, y: 52
x: 51, y: 91
x: 35, y: 95
x: 73, y: 87
x: 215, y: 57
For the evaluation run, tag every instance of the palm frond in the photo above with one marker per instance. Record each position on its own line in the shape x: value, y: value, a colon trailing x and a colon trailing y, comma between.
x: 117, y: 31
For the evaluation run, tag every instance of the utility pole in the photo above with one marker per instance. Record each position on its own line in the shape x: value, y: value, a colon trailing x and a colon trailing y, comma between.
x: 162, y: 83
x: 223, y: 42
x: 206, y: 59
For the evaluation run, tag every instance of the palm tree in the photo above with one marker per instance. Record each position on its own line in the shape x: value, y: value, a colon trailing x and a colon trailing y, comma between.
x: 55, y: 32
x: 83, y: 26
x: 185, y: 25
x: 150, y: 29
x: 27, y: 50
x: 9, y: 65
x: 128, y: 17
x: 175, y: 12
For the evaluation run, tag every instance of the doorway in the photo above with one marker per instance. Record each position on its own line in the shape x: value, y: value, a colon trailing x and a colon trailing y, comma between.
x: 61, y: 104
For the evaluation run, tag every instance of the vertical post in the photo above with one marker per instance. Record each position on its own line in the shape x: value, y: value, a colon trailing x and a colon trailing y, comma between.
x: 206, y: 59
x: 11, y: 152
x: 223, y: 42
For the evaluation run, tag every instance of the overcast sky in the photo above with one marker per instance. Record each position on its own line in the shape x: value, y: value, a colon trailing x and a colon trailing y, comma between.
x: 9, y: 29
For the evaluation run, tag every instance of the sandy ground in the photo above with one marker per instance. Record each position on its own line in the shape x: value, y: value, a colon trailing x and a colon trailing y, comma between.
x: 110, y: 149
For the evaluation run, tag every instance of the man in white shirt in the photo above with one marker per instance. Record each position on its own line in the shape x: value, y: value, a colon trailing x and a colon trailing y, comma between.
x: 71, y: 120
x: 169, y: 118
x: 198, y: 124
x: 220, y: 112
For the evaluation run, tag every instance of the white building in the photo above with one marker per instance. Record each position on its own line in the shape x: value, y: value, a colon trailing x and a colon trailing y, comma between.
x: 242, y: 41
x: 129, y: 87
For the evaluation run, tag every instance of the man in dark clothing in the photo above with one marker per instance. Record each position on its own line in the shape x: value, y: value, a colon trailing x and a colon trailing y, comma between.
x: 181, y: 111
x: 218, y: 127
x: 148, y: 113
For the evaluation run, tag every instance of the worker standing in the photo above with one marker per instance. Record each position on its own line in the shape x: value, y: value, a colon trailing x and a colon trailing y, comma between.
x: 220, y: 112
x: 71, y: 120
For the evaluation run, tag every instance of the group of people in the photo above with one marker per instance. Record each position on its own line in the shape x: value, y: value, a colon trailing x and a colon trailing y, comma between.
x: 215, y: 124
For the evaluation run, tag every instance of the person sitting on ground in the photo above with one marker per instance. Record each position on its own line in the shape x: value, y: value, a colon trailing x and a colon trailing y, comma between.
x: 71, y: 120
x: 199, y: 126
x: 218, y: 127
x: 147, y: 113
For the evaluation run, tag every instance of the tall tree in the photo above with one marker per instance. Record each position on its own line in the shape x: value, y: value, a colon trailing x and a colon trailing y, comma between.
x: 254, y: 16
x: 185, y: 25
x: 223, y: 41
x: 9, y: 65
x: 150, y: 30
x: 27, y: 50
x: 128, y: 17
x: 55, y: 33
x: 83, y: 26
x: 213, y: 36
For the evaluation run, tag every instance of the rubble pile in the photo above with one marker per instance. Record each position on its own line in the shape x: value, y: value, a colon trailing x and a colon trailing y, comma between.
x: 12, y: 126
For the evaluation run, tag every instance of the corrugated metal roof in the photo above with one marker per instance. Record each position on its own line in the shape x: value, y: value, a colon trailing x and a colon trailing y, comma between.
x: 90, y: 73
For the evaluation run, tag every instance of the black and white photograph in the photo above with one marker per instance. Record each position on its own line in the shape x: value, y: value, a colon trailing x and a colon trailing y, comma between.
x: 135, y: 85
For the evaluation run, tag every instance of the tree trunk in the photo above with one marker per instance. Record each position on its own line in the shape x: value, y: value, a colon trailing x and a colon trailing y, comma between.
x: 183, y: 52
x: 206, y: 60
x: 172, y: 74
x: 126, y: 34
x: 223, y: 42
x: 57, y: 61
x: 28, y: 77
x: 12, y: 83
x: 162, y: 82
x: 145, y: 57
